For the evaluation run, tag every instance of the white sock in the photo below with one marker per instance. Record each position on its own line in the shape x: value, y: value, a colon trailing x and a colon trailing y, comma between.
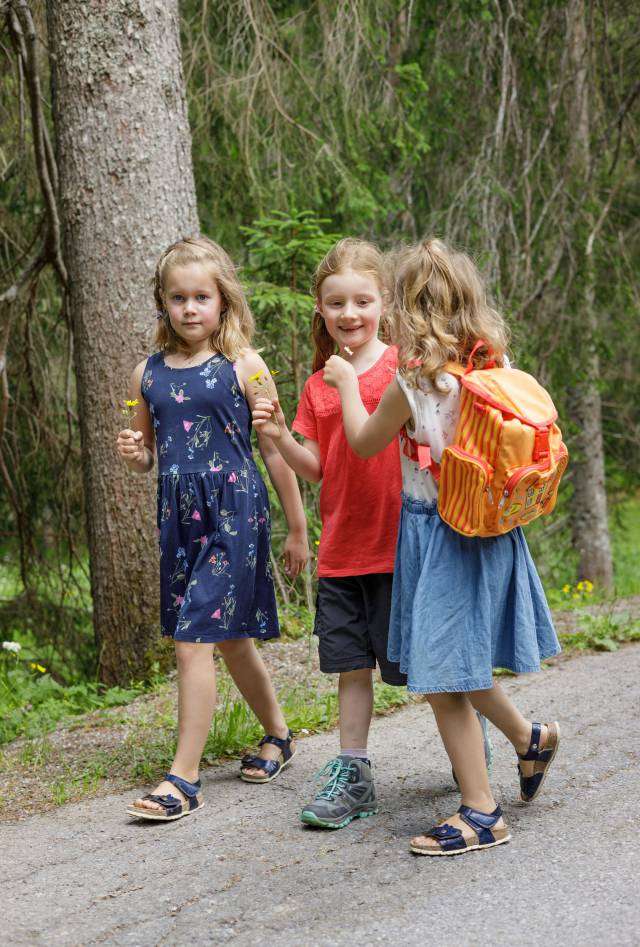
x: 359, y: 751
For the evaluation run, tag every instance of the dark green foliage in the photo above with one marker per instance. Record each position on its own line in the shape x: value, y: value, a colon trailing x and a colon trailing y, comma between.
x: 385, y: 120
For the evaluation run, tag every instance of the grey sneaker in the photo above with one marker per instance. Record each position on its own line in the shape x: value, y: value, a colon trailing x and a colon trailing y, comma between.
x: 349, y: 794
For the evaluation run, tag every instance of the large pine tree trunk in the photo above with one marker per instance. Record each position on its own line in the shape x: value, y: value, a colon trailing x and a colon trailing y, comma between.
x: 126, y: 191
x: 589, y: 515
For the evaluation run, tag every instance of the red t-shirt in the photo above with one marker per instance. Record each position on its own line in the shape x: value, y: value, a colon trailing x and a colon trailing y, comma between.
x: 359, y: 499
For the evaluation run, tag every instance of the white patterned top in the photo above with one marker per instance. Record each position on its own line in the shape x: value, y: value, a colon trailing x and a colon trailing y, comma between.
x: 434, y: 415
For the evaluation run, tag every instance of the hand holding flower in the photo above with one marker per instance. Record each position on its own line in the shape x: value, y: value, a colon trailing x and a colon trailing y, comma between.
x: 338, y: 372
x: 268, y: 417
x: 131, y: 447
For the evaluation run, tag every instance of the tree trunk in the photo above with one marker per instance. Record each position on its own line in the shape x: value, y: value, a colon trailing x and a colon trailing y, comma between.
x: 126, y: 191
x: 590, y: 526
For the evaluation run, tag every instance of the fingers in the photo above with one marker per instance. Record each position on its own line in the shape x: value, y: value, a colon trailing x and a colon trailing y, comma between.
x: 130, y: 443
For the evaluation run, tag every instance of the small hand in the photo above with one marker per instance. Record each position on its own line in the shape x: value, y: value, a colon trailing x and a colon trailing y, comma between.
x: 131, y: 445
x: 337, y: 371
x: 296, y: 554
x: 268, y: 417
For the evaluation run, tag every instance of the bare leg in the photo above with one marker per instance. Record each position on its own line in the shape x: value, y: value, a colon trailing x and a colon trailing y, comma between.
x: 463, y: 740
x: 355, y: 694
x: 196, y: 704
x: 254, y: 683
x: 503, y: 714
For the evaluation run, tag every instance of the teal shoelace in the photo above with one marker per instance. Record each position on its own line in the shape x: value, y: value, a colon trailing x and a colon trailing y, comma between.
x: 338, y: 778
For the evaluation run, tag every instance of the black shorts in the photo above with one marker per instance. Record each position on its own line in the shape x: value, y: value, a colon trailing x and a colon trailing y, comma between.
x: 352, y: 624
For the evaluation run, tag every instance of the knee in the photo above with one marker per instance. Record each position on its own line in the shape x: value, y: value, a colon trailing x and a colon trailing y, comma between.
x: 190, y: 655
x: 235, y: 648
x: 444, y: 701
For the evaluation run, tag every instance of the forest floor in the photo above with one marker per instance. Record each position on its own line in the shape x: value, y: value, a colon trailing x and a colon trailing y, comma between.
x: 125, y: 747
x: 245, y: 871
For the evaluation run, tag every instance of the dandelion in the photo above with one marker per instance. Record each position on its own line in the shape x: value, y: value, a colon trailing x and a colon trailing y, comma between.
x: 129, y: 409
x: 12, y: 646
x: 566, y: 588
x: 38, y: 667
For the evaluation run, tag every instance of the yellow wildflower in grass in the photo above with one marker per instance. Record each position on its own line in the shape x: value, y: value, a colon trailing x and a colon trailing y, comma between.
x: 566, y: 588
x: 38, y: 667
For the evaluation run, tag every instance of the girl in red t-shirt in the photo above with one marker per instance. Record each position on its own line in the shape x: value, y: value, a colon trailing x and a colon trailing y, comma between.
x: 359, y: 508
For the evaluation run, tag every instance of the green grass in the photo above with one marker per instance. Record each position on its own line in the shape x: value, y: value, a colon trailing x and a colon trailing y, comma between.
x: 624, y: 525
x: 603, y: 632
x: 32, y: 702
x: 306, y: 709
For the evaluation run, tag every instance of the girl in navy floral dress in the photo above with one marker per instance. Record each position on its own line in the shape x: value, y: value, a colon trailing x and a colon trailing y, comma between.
x: 194, y: 404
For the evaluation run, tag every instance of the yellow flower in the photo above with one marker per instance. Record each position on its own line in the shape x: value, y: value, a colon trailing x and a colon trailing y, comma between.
x: 588, y: 586
x: 256, y: 376
x: 38, y: 667
x: 566, y: 589
x: 132, y: 404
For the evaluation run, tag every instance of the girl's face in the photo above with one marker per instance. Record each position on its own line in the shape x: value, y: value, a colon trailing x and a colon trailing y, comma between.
x: 193, y: 302
x: 351, y: 306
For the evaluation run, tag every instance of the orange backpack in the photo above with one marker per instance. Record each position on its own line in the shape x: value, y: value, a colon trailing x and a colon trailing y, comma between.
x: 507, y: 457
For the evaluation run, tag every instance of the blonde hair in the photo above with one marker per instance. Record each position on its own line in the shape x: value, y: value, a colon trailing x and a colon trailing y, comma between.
x: 236, y: 321
x: 347, y: 254
x: 440, y: 311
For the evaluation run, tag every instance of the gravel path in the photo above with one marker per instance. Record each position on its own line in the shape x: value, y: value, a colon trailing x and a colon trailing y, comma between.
x: 244, y: 871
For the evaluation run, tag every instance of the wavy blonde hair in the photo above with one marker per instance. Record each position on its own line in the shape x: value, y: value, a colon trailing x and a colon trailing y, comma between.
x: 440, y: 311
x: 347, y: 254
x: 236, y: 328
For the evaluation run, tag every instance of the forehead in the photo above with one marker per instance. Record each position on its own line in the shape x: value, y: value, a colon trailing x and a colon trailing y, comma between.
x: 350, y: 282
x: 189, y: 276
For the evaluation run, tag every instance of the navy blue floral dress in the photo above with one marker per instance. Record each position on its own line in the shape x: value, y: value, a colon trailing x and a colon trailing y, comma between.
x: 213, y: 510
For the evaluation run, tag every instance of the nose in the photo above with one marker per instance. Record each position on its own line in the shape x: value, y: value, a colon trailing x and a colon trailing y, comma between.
x: 189, y: 305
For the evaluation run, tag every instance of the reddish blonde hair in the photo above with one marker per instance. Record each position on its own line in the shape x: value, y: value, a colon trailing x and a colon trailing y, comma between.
x: 347, y: 254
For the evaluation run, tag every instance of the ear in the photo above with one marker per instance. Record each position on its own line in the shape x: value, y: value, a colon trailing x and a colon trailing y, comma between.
x: 318, y: 306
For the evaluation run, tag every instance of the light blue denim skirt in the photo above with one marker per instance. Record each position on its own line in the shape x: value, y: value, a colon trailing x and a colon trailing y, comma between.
x: 462, y: 606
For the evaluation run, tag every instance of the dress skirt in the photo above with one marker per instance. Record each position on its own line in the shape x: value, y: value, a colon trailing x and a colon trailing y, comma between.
x: 462, y: 606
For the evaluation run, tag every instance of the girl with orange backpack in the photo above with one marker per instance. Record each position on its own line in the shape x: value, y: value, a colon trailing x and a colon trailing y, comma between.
x: 466, y: 597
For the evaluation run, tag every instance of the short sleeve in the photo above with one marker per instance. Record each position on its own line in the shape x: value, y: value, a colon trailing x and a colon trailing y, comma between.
x: 305, y: 420
x: 410, y: 395
x: 434, y: 413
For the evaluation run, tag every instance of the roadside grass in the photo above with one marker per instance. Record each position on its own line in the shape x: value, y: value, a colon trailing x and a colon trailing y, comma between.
x: 33, y: 703
x: 143, y: 742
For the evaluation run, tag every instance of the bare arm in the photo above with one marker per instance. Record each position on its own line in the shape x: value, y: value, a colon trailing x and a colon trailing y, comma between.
x: 303, y: 458
x: 296, y: 550
x: 296, y: 547
x: 136, y: 444
x: 367, y: 434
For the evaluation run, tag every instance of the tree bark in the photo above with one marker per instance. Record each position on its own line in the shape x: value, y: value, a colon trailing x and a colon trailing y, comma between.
x: 590, y: 527
x: 126, y: 191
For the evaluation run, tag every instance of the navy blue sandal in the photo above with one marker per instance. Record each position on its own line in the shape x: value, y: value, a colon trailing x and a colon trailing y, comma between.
x: 531, y: 785
x: 449, y: 840
x: 172, y: 808
x: 270, y: 768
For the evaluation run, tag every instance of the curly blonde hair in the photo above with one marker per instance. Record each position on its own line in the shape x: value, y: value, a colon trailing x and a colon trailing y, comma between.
x: 236, y: 328
x: 347, y: 254
x: 440, y: 310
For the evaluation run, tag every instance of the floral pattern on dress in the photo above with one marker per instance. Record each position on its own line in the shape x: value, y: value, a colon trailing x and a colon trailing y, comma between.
x: 214, y: 525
